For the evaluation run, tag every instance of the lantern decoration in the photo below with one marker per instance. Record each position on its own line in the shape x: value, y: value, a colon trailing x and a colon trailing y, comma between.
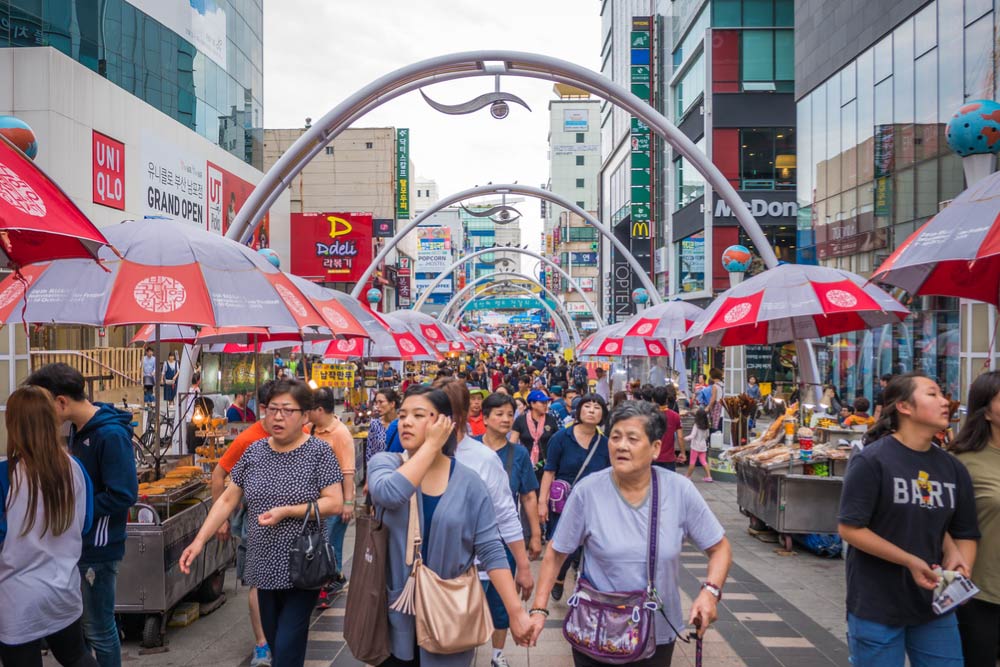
x: 640, y: 296
x: 19, y: 133
x: 271, y: 256
x: 736, y: 259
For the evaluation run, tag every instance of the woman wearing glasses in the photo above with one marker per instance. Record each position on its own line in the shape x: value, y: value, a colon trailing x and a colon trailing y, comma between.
x: 279, y: 476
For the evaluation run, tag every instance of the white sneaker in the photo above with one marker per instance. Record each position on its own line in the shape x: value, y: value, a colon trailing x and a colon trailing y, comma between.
x: 499, y: 661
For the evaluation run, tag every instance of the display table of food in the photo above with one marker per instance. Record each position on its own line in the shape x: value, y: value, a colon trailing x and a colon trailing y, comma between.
x: 162, y: 523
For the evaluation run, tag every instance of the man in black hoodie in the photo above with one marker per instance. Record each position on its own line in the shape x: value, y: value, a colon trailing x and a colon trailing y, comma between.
x: 101, y: 438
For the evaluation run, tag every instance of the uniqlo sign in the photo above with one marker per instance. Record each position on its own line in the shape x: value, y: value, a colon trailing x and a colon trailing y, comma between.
x: 109, y: 171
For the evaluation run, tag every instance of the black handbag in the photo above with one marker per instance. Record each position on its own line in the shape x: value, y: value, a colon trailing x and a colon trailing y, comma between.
x: 311, y: 563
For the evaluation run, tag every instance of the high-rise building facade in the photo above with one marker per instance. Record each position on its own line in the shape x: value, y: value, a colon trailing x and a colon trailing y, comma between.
x: 574, y: 168
x: 875, y: 88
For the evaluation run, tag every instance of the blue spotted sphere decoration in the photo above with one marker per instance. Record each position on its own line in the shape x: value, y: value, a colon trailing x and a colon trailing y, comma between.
x: 975, y: 128
x: 270, y: 256
x: 19, y: 133
x: 640, y: 296
x: 736, y: 259
x: 374, y: 295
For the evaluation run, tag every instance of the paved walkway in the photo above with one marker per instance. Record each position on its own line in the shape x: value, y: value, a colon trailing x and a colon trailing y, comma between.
x: 777, y: 611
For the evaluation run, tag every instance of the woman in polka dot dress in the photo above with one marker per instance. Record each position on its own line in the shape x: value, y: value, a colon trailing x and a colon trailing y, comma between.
x: 279, y: 476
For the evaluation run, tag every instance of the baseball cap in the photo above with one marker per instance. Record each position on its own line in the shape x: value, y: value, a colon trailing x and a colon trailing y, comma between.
x: 556, y: 389
x: 538, y: 395
x: 473, y: 389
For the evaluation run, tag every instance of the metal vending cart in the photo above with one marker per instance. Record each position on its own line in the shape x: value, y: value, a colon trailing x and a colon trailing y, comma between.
x: 150, y: 582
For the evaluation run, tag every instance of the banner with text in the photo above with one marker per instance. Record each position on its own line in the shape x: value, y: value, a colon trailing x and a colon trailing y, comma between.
x: 331, y: 247
x: 433, y: 249
x: 226, y: 194
x: 402, y: 174
x: 173, y: 183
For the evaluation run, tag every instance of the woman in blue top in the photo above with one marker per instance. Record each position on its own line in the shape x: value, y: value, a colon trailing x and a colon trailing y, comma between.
x: 457, y: 520
x: 573, y: 453
x: 385, y: 404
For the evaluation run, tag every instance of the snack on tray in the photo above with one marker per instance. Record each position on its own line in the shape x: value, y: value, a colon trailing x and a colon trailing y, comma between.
x: 152, y: 491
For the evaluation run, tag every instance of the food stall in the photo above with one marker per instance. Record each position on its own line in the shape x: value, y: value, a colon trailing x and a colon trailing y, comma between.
x: 790, y: 478
x: 167, y: 516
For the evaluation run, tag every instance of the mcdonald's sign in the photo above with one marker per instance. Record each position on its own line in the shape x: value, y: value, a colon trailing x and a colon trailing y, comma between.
x: 640, y: 229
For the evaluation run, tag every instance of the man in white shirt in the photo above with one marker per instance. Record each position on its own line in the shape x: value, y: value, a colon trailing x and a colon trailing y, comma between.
x: 475, y: 455
x: 602, y: 389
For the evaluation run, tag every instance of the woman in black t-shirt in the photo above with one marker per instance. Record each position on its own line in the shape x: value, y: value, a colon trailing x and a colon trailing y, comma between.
x: 906, y: 504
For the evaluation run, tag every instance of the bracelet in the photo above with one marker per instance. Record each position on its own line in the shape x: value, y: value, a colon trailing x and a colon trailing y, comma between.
x: 348, y: 502
x: 539, y: 610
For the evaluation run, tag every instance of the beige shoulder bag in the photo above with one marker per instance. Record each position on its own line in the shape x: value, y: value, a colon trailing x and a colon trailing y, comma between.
x: 451, y: 614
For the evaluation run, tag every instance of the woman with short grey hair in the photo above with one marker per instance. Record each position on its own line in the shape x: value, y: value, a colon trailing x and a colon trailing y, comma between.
x: 608, y: 514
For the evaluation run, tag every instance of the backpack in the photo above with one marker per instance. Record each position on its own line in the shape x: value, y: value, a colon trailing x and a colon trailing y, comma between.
x: 580, y: 375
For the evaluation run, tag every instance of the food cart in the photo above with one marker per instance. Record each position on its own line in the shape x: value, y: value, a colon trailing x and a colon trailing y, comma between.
x: 790, y: 488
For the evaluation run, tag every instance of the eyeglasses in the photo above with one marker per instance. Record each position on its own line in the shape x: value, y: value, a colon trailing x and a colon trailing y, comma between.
x: 284, y: 412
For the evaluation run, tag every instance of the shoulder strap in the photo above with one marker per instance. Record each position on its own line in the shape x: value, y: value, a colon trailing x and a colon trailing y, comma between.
x: 590, y: 455
x: 413, y: 539
x: 654, y: 514
x: 4, y: 488
x: 509, y: 464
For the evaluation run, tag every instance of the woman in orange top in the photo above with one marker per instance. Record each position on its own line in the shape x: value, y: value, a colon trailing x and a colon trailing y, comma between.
x: 324, y: 424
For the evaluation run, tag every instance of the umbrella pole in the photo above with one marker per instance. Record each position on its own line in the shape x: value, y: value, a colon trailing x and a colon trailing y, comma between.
x: 156, y: 405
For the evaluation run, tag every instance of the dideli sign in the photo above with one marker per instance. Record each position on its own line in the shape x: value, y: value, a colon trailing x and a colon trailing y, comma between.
x: 331, y: 247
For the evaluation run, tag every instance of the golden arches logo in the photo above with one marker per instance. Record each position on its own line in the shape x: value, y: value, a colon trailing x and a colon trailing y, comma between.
x: 339, y: 226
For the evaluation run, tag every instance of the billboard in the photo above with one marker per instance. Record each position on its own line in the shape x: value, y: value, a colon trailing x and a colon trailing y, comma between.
x: 444, y: 287
x: 109, y: 171
x: 201, y: 22
x: 575, y: 120
x: 433, y: 249
x: 331, y: 247
x: 403, y: 174
x: 173, y: 183
x: 226, y: 194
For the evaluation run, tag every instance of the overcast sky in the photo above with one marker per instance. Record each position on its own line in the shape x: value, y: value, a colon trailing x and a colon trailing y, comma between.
x: 316, y: 52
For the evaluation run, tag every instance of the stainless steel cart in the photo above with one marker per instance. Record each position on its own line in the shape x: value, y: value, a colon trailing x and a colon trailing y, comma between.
x: 150, y: 582
x: 788, y: 501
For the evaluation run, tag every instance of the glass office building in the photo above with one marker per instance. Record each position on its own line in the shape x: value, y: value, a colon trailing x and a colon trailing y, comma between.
x: 198, y: 61
x: 874, y: 166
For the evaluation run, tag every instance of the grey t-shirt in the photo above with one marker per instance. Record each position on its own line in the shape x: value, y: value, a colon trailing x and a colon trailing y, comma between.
x: 614, y: 537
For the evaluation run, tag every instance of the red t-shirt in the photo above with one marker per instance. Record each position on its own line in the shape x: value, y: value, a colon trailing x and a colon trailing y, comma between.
x: 667, y: 453
x: 497, y: 379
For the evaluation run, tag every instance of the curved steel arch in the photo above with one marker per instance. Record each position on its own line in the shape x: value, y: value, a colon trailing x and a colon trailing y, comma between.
x: 510, y: 188
x: 477, y: 64
x: 558, y: 317
x: 499, y: 276
x: 521, y: 251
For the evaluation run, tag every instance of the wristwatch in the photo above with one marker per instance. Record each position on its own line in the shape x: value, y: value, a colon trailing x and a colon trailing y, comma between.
x: 714, y: 590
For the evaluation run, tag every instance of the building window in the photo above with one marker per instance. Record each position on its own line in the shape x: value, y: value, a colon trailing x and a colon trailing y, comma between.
x: 329, y: 150
x: 752, y: 13
x: 580, y: 183
x: 767, y: 59
x: 579, y: 160
x: 767, y: 158
x: 581, y: 205
x: 369, y: 144
x: 691, y: 86
x: 587, y: 233
x: 580, y: 137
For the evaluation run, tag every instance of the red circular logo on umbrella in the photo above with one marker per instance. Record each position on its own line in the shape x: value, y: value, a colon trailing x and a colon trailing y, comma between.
x: 16, y: 192
x: 430, y: 332
x: 406, y: 345
x: 292, y: 301
x: 737, y: 312
x: 334, y: 318
x: 841, y: 299
x: 160, y: 294
x: 14, y: 292
x: 654, y: 348
x: 611, y: 346
x: 644, y: 329
x: 345, y: 345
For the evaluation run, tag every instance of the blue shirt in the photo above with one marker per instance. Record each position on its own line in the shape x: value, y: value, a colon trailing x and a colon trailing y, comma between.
x: 521, y: 475
x: 392, y: 442
x: 565, y: 456
x: 558, y: 408
x: 430, y: 504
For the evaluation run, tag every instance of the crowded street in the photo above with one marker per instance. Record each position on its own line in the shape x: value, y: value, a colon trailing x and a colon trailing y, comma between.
x: 521, y: 334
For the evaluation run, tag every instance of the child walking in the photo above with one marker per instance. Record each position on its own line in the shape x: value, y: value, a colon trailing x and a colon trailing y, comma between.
x: 699, y: 445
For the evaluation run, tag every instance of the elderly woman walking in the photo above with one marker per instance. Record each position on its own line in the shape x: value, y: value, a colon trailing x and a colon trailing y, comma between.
x: 610, y: 514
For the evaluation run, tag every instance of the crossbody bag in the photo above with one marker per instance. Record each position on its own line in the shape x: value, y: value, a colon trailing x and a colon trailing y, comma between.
x: 560, y: 489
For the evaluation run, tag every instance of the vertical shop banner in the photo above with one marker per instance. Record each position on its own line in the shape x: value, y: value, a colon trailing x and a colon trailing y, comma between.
x: 173, y: 183
x: 201, y: 22
x: 433, y: 249
x: 403, y: 291
x: 331, y: 247
x: 226, y: 194
x: 109, y: 171
x: 403, y: 174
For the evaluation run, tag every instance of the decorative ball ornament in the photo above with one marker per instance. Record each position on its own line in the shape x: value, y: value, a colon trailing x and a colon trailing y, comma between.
x: 640, y: 296
x: 736, y: 259
x: 374, y: 295
x: 271, y: 256
x: 19, y: 133
x: 975, y: 128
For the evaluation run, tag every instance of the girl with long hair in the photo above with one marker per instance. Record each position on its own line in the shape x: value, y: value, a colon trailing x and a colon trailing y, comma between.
x: 905, y: 505
x: 47, y: 510
x: 978, y: 447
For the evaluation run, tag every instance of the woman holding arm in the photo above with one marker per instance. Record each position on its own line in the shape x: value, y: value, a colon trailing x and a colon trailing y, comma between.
x: 906, y: 504
x: 608, y: 516
x: 574, y: 453
x: 457, y: 520
x: 279, y: 476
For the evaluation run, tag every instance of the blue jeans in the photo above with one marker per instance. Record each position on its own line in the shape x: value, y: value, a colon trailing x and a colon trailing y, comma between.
x: 285, y: 615
x: 97, y: 580
x: 335, y: 531
x: 932, y: 644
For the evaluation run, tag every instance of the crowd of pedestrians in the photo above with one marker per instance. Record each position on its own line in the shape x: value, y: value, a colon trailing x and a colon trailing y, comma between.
x: 476, y: 471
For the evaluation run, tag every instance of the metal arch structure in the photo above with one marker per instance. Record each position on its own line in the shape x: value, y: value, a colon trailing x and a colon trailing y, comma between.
x: 494, y: 63
x: 521, y: 251
x: 500, y: 276
x: 566, y: 327
x: 516, y: 189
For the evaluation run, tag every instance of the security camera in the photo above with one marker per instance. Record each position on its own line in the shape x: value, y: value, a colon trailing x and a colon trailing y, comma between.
x: 499, y: 110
